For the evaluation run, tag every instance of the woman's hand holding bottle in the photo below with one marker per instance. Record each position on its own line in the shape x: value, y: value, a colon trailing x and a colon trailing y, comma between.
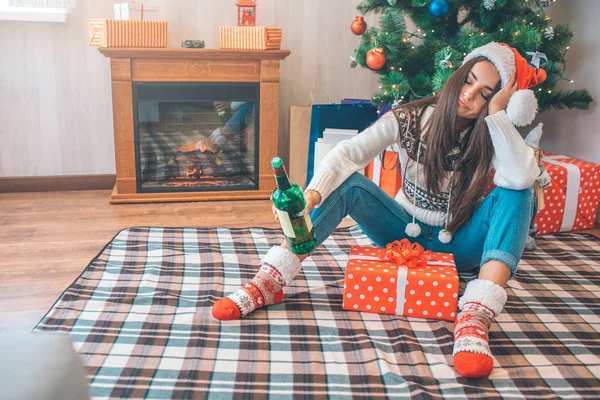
x: 311, y: 197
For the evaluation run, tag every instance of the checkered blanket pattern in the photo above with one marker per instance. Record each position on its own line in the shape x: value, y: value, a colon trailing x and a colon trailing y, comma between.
x: 140, y: 317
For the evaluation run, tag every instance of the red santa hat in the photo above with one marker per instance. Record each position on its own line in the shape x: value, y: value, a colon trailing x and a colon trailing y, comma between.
x: 522, y: 106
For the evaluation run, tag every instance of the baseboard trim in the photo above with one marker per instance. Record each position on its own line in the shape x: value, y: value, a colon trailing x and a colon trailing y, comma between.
x: 58, y: 183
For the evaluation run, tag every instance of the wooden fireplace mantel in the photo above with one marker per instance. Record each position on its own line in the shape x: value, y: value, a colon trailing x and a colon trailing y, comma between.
x: 130, y: 65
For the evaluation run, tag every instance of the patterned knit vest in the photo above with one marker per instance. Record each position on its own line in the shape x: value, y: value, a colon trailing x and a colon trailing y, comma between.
x: 409, y: 120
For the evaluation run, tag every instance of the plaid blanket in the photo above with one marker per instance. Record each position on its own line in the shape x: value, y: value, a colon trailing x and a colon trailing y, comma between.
x: 140, y: 317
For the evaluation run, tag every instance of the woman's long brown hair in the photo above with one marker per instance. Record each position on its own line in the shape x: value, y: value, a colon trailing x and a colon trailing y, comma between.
x: 474, y: 166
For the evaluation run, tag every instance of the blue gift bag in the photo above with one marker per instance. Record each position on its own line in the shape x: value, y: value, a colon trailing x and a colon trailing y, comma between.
x: 382, y: 109
x: 356, y: 101
x: 337, y: 116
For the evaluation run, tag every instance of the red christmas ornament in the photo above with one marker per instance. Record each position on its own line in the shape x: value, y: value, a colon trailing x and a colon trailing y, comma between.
x: 358, y: 26
x: 375, y: 58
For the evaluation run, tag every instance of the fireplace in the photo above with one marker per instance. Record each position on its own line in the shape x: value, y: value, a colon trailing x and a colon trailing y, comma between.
x: 194, y: 124
x: 196, y: 136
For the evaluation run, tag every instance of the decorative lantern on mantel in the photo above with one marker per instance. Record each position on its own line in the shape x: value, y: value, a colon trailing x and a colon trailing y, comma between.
x: 246, y: 13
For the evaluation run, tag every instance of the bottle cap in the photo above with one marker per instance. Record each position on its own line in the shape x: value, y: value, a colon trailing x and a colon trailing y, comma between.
x: 276, y: 162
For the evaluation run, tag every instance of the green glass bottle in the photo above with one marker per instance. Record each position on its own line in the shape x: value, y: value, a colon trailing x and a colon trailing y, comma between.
x: 289, y: 203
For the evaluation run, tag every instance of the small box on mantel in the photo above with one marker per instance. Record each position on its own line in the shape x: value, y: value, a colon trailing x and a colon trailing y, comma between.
x: 134, y: 11
x: 375, y: 283
x: 127, y: 33
x: 250, y: 37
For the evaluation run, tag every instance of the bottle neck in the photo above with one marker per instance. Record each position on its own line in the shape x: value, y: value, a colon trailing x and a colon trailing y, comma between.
x: 283, y: 182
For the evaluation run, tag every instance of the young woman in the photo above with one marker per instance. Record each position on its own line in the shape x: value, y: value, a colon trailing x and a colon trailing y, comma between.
x: 449, y: 144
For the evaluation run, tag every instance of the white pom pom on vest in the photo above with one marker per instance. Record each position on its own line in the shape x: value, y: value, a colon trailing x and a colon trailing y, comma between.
x: 413, y: 229
x: 445, y: 236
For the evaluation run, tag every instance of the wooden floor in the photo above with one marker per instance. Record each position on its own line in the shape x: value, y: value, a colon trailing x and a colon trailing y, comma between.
x: 46, y: 239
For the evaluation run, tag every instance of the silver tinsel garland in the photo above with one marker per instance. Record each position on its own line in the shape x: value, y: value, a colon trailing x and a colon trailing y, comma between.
x: 489, y: 4
x: 446, y: 63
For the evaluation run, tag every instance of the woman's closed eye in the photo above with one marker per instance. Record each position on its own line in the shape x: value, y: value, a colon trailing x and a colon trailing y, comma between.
x: 481, y: 93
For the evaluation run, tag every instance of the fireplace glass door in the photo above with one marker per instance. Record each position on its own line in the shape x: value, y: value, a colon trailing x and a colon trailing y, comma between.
x: 196, y: 136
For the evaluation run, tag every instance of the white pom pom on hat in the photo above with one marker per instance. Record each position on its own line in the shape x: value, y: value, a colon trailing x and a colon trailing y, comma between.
x: 522, y: 106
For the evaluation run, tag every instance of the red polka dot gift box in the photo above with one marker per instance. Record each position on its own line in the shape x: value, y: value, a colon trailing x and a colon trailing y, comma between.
x: 401, y: 279
x: 571, y: 199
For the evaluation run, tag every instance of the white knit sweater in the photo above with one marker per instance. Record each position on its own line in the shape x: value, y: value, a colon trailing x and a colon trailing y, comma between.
x: 513, y: 161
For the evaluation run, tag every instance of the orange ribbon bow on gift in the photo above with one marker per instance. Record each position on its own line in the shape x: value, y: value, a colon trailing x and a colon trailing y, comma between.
x: 411, y: 255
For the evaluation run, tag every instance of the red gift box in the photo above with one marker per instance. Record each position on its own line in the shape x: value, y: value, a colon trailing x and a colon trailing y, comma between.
x: 375, y: 282
x: 571, y: 200
x: 384, y: 170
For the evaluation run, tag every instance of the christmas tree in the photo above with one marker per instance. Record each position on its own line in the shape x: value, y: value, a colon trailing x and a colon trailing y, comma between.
x: 416, y: 64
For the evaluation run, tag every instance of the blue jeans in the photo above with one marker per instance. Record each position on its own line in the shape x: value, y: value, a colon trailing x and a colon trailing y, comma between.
x: 497, y: 230
x: 237, y: 122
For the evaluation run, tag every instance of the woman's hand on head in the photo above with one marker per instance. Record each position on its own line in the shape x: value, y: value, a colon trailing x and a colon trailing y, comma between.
x: 312, y: 199
x: 500, y: 100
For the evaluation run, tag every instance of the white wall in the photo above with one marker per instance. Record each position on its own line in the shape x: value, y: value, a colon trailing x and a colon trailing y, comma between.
x: 56, y: 117
x: 577, y: 132
x: 55, y: 102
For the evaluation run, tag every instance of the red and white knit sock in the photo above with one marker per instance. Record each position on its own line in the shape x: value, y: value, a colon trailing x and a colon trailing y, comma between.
x: 280, y: 266
x: 482, y: 301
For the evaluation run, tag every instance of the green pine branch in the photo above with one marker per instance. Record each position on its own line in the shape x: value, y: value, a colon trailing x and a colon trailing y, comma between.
x: 419, y: 63
x: 559, y: 100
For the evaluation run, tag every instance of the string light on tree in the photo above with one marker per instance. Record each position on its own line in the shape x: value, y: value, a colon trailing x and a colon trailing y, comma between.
x: 545, y: 3
x: 478, y: 22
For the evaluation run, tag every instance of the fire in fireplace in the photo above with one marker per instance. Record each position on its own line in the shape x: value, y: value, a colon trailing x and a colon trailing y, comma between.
x: 196, y: 136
